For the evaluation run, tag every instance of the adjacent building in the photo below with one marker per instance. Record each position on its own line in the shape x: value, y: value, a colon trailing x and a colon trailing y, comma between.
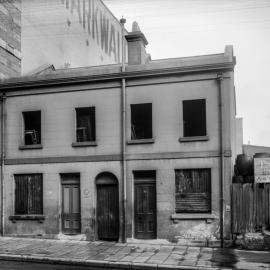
x: 144, y: 151
x: 35, y: 35
x: 10, y: 39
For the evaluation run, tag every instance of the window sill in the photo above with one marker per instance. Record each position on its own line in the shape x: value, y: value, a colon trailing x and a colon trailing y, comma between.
x: 206, y: 216
x: 30, y: 146
x: 194, y: 139
x: 39, y: 218
x: 141, y: 141
x: 84, y: 144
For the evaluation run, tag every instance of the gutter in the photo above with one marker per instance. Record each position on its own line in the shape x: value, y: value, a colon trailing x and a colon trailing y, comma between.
x: 139, y: 73
x: 3, y: 99
x: 221, y: 149
x: 123, y: 137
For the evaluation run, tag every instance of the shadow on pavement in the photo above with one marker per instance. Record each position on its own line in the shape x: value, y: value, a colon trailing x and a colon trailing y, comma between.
x: 224, y: 258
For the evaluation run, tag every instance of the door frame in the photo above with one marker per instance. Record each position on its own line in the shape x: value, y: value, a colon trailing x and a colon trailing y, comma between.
x: 150, y: 179
x: 111, y: 180
x: 76, y: 181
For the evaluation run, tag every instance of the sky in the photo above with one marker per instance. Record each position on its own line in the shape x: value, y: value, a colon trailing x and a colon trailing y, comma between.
x: 179, y: 28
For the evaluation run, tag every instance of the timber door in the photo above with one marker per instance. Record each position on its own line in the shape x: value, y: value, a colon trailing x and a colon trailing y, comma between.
x: 107, y: 207
x: 71, y: 209
x: 145, y: 209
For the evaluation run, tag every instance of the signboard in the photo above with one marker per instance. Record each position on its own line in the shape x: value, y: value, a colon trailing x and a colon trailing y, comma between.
x: 262, y: 170
x: 69, y: 34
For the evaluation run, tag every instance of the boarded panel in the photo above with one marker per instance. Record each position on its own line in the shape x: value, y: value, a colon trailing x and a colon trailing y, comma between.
x: 28, y: 194
x: 108, y: 212
x: 193, y: 191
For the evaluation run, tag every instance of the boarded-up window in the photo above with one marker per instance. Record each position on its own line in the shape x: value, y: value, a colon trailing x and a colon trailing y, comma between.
x: 193, y: 191
x: 86, y: 126
x: 141, y: 121
x: 194, y: 117
x: 32, y: 127
x: 28, y: 194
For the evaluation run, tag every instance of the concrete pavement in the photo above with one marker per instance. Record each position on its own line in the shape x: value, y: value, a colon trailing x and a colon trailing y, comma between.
x: 130, y: 256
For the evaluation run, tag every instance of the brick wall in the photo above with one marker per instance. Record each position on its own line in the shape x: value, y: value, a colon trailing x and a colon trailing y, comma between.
x: 10, y: 38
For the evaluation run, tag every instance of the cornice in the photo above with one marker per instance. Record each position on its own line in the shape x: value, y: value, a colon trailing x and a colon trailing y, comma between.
x: 129, y: 74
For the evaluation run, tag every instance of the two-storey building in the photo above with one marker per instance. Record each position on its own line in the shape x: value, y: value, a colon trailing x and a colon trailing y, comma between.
x: 146, y: 152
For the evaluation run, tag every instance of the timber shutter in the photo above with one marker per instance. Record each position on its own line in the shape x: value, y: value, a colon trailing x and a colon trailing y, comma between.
x: 28, y: 194
x: 193, y: 191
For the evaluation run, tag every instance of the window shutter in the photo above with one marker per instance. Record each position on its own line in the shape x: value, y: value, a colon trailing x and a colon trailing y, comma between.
x: 28, y: 194
x: 193, y: 191
x: 35, y: 194
x: 21, y: 194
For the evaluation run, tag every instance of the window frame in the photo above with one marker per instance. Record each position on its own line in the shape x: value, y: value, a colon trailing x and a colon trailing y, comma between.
x: 195, y: 213
x: 86, y: 143
x: 196, y: 137
x: 23, y: 145
x: 147, y: 139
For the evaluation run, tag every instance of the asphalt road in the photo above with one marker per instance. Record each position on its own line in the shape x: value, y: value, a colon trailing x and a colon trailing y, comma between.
x: 14, y: 265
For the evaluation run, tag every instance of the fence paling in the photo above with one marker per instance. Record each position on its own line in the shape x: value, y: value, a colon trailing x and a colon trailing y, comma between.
x: 250, y: 207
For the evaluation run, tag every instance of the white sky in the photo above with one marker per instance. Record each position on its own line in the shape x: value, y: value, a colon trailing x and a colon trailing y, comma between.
x: 176, y: 28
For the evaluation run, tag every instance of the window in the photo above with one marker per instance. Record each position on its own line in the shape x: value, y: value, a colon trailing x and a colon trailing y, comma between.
x: 193, y: 191
x: 194, y: 117
x: 32, y: 127
x: 28, y: 194
x: 85, y: 124
x: 141, y: 121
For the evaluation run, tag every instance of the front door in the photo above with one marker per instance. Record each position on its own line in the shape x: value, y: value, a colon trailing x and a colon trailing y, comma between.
x: 71, y: 210
x: 108, y: 212
x: 145, y: 210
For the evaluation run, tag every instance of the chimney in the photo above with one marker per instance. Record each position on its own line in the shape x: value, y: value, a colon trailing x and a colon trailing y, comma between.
x: 136, y: 46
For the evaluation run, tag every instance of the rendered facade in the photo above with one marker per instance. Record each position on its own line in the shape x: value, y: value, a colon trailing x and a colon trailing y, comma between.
x: 141, y: 153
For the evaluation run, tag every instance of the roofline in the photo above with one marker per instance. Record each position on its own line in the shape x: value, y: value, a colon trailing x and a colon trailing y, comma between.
x: 137, y: 72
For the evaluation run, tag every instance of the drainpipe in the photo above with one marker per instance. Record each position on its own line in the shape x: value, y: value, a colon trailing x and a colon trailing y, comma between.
x: 221, y: 148
x: 123, y: 135
x: 3, y: 99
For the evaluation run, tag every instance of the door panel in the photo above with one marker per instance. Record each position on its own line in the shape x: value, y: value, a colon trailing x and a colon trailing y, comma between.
x: 145, y: 210
x: 108, y: 212
x: 71, y: 215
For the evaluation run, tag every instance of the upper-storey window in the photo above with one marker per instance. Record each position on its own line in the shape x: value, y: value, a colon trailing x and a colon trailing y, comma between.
x: 85, y: 124
x: 194, y: 118
x: 141, y: 121
x: 32, y: 127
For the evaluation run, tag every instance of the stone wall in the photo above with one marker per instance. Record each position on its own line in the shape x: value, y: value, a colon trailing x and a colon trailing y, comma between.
x: 10, y: 38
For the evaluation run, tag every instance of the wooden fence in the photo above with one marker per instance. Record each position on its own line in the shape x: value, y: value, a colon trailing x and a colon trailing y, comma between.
x: 250, y: 207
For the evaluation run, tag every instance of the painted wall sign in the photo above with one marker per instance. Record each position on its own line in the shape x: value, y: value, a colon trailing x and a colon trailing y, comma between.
x: 96, y: 19
x: 262, y: 170
x: 69, y: 33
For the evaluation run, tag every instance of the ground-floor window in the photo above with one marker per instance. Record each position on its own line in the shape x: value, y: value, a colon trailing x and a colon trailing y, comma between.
x: 193, y: 191
x: 28, y: 194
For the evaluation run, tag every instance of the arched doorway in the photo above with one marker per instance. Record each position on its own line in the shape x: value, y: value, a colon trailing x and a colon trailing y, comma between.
x: 107, y: 206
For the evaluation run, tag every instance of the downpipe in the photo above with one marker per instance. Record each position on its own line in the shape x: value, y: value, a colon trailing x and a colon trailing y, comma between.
x: 123, y: 134
x: 3, y: 123
x: 221, y: 149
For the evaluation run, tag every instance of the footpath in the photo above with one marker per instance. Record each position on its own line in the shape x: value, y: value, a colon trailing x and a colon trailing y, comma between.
x: 130, y: 256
